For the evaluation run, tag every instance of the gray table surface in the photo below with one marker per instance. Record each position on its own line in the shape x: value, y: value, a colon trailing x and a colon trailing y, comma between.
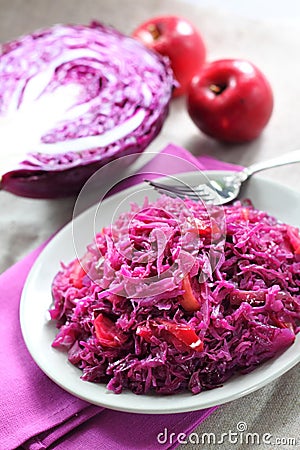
x: 274, y: 45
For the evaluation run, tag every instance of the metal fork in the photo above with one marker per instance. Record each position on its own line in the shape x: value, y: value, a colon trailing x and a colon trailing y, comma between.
x: 219, y: 192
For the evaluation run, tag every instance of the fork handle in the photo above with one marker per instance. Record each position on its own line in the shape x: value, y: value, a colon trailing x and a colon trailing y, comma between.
x: 288, y: 158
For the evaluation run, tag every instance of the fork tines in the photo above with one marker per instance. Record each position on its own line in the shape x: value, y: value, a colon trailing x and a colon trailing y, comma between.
x: 201, y: 192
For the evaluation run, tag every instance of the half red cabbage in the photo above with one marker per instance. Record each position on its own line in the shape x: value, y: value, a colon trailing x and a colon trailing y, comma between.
x: 73, y: 98
x: 249, y: 306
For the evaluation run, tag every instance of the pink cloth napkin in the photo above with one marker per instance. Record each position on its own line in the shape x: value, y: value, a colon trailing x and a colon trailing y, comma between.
x: 36, y: 414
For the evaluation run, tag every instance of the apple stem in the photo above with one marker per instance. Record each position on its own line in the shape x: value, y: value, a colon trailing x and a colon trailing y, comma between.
x: 217, y: 88
x: 154, y: 31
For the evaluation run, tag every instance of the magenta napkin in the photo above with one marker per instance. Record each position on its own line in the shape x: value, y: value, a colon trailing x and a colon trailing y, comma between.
x: 37, y: 414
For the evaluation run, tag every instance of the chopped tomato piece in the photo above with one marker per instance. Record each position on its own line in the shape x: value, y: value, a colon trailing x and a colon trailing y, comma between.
x: 173, y: 332
x: 107, y: 332
x: 204, y: 228
x: 77, y: 274
x: 79, y: 270
x: 188, y: 300
x: 294, y: 237
x: 185, y: 334
x: 145, y: 332
x: 245, y: 213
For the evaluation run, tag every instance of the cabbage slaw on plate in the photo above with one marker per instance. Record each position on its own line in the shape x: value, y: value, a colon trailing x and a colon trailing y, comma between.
x: 166, y: 299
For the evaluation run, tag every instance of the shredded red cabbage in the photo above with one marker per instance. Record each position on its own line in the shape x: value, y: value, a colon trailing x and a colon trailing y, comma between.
x: 191, y: 327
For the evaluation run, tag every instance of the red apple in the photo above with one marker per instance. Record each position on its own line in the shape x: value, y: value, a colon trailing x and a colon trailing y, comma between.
x: 180, y: 41
x: 230, y: 100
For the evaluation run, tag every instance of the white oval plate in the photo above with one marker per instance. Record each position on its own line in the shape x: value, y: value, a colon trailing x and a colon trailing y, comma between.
x: 39, y: 332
